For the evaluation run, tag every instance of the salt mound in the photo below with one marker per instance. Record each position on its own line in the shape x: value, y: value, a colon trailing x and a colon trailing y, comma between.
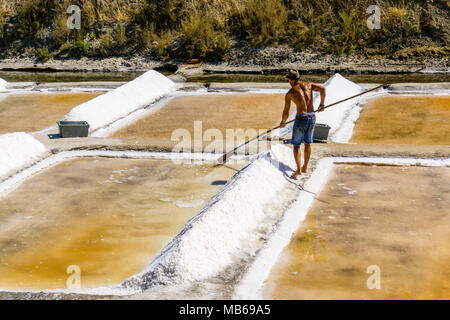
x: 338, y: 88
x: 116, y: 104
x: 17, y: 151
x: 210, y: 241
x: 3, y: 84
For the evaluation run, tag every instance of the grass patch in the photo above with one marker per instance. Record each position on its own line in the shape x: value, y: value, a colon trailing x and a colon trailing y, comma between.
x: 78, y: 47
x: 264, y: 21
x: 44, y: 55
x: 201, y: 40
x: 207, y: 28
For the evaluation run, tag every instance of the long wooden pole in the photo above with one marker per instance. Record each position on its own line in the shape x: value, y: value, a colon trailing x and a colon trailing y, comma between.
x: 228, y: 154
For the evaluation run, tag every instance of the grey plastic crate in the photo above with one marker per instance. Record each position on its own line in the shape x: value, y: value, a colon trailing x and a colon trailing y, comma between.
x: 321, y: 131
x: 73, y: 129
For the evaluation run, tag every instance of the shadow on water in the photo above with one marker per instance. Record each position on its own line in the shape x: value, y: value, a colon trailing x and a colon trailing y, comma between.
x: 219, y: 183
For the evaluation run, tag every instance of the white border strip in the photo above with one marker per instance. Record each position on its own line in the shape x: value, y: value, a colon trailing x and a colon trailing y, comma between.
x: 196, y: 158
x: 250, y: 285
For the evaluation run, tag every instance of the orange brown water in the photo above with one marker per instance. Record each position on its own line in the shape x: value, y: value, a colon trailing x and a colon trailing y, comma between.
x: 216, y: 111
x: 397, y: 119
x: 36, y: 111
x: 392, y: 217
x: 110, y: 217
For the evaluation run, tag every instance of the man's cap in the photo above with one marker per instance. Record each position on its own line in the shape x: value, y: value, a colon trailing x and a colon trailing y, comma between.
x: 293, y: 75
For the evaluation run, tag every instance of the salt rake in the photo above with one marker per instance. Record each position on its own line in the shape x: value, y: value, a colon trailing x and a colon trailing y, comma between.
x: 227, y: 155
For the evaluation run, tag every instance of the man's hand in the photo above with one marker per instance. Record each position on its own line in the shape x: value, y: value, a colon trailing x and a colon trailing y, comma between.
x: 282, y: 124
x: 321, y: 108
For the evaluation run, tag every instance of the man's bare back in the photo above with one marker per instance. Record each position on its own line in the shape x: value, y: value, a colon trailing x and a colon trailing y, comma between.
x: 297, y: 95
x: 301, y: 94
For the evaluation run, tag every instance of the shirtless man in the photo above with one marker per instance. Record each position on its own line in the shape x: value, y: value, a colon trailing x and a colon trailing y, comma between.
x: 301, y: 94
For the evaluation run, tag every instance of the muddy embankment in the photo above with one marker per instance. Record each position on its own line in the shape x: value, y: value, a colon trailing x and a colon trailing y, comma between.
x: 305, y: 62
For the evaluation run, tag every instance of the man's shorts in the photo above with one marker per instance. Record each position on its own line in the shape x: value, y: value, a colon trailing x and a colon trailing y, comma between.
x: 303, y: 130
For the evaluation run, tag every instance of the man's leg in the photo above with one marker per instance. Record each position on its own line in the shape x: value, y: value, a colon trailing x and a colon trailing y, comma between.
x: 298, y: 161
x: 307, y: 155
x: 308, y: 141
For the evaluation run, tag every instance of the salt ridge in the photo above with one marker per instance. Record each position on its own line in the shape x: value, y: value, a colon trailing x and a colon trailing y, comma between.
x: 18, y: 150
x: 3, y: 84
x: 118, y: 103
x: 210, y: 240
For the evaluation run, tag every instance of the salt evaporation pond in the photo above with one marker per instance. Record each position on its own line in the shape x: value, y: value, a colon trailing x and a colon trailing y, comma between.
x: 31, y: 112
x: 392, y: 217
x: 404, y: 119
x: 215, y: 111
x: 109, y: 216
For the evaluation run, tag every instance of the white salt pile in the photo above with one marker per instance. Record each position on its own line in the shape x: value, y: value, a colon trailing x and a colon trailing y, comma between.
x: 116, y: 104
x: 17, y: 151
x: 337, y: 88
x: 3, y: 84
x: 212, y: 239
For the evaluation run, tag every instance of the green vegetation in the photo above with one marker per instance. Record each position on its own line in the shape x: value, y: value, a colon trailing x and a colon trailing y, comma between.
x: 78, y: 47
x: 3, y: 14
x: 33, y: 16
x: 200, y: 39
x: 119, y: 35
x: 263, y: 21
x: 208, y: 29
x: 106, y: 44
x: 44, y: 55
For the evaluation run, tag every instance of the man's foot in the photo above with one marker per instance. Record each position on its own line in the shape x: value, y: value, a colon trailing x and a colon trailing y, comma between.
x: 295, y: 174
x: 304, y: 169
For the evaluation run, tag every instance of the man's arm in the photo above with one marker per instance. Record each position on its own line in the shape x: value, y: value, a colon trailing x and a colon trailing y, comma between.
x: 322, y: 90
x: 287, y: 107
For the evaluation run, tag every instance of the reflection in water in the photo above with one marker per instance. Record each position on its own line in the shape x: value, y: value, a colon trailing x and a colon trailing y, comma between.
x: 392, y: 217
x: 110, y: 217
x: 410, y: 119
